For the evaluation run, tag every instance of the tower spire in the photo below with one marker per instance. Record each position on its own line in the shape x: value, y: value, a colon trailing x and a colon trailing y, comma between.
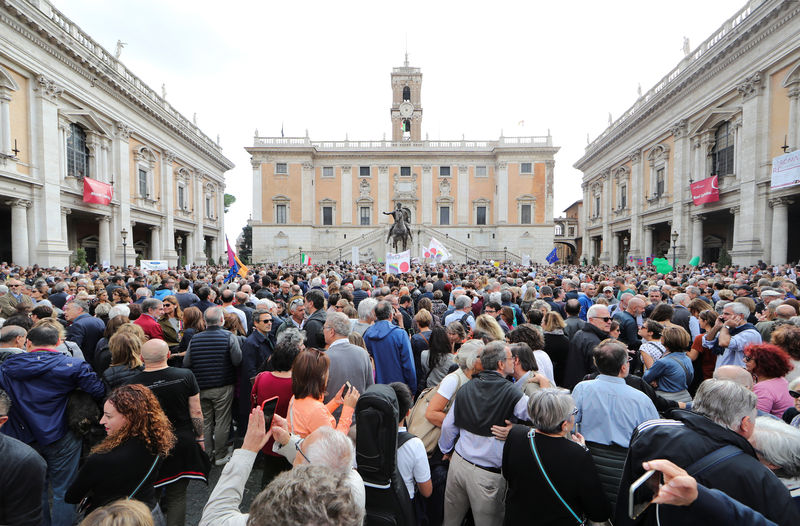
x: 406, y: 61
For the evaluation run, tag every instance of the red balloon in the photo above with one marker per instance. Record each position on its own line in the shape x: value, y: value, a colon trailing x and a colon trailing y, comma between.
x: 404, y: 267
x: 433, y: 251
x: 427, y: 254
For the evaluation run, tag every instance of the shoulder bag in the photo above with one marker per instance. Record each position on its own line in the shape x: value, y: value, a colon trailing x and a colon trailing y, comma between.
x: 577, y: 518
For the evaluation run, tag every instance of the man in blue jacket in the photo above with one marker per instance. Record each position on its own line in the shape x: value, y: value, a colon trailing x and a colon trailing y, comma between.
x: 390, y: 348
x: 39, y: 383
x: 85, y: 330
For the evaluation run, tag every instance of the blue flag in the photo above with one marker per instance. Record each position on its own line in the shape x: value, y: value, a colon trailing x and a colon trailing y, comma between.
x: 552, y: 257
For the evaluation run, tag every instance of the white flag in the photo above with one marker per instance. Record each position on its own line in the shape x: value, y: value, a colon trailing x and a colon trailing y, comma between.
x: 436, y: 251
x: 354, y: 256
x: 398, y: 263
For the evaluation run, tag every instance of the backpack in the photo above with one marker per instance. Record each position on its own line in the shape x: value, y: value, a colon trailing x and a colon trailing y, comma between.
x: 420, y: 426
x: 387, y: 500
x: 465, y: 323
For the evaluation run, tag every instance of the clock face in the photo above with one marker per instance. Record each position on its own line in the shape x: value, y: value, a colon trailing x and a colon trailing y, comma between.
x: 406, y: 109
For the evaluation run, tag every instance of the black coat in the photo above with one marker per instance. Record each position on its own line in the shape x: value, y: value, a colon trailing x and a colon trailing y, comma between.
x: 557, y: 348
x: 580, y: 361
x: 313, y: 328
x: 628, y: 329
x: 742, y: 477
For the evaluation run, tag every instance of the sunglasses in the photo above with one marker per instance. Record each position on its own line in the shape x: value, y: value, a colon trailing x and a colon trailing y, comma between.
x: 604, y: 318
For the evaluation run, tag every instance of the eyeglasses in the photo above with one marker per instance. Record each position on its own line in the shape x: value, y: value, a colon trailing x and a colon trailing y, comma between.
x: 604, y: 318
x: 268, y: 320
x: 297, y: 447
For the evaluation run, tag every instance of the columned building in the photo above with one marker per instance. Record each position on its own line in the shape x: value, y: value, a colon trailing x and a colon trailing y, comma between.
x: 482, y: 199
x: 69, y: 109
x: 727, y: 109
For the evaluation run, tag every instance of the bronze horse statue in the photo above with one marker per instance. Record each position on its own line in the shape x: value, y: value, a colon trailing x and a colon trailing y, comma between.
x: 400, y: 232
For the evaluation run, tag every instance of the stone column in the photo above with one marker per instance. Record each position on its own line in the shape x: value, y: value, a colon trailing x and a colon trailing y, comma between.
x: 548, y: 194
x: 648, y: 241
x: 697, y: 236
x: 155, y: 242
x: 605, y: 256
x: 120, y: 150
x: 734, y: 210
x: 219, y: 240
x: 681, y: 169
x: 5, y: 122
x: 614, y: 249
x: 780, y: 229
x: 462, y: 199
x: 635, y: 204
x: 501, y: 205
x: 307, y: 193
x: 257, y: 191
x: 747, y: 247
x: 583, y: 225
x: 383, y: 195
x: 64, y: 213
x: 168, y: 202
x: 19, y: 231
x: 427, y: 194
x: 347, y: 204
x: 794, y: 117
x: 199, y: 255
x: 104, y: 235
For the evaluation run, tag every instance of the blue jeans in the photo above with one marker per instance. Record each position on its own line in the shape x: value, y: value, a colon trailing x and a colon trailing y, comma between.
x: 62, y: 458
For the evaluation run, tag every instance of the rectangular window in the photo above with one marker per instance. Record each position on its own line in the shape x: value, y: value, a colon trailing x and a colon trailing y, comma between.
x: 143, y: 183
x: 365, y: 215
x: 181, y: 197
x: 363, y: 171
x: 660, y: 187
x: 572, y: 231
x: 209, y: 208
x: 623, y: 197
x: 327, y: 215
x: 280, y: 214
x: 481, y: 212
x: 327, y: 171
x: 526, y: 168
x: 444, y: 215
x: 281, y: 169
x: 444, y: 171
x: 597, y: 206
x: 525, y: 214
x: 480, y: 171
x: 405, y: 171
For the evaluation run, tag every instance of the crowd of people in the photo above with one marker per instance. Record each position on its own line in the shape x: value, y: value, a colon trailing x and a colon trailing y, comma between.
x: 522, y: 395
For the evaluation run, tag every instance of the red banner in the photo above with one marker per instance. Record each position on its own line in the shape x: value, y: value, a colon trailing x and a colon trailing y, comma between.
x: 705, y: 191
x: 97, y: 192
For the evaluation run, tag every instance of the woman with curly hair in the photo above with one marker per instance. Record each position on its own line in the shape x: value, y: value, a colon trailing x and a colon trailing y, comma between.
x: 120, y: 296
x: 125, y: 464
x: 769, y: 364
x: 787, y: 337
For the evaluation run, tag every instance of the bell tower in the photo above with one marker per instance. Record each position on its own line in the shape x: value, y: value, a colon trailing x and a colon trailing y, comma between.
x: 406, y: 108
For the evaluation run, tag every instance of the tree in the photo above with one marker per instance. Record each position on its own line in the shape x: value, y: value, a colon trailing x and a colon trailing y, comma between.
x: 246, y: 245
x: 80, y: 258
x: 724, y: 258
x: 228, y: 201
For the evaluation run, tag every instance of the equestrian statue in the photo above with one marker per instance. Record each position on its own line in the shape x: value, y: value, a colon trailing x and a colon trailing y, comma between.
x: 401, y: 229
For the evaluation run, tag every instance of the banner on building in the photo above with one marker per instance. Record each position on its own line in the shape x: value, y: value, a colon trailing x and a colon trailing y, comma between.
x: 436, y: 251
x: 97, y: 192
x: 398, y: 263
x: 526, y: 260
x: 354, y: 255
x: 154, y: 264
x: 786, y: 170
x: 705, y: 191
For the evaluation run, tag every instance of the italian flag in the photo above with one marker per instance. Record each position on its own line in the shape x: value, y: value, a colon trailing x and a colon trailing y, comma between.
x: 304, y: 260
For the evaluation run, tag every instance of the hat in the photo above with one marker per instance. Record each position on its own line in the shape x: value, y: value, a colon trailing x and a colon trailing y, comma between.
x: 608, y: 289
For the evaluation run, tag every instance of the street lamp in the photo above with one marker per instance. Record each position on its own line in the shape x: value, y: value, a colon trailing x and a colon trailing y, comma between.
x: 124, y: 234
x: 674, y: 247
x: 505, y: 254
x: 625, y: 244
x: 180, y: 250
x: 340, y: 255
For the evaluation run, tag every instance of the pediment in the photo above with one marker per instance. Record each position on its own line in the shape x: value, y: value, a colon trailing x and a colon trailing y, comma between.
x: 714, y: 118
x: 88, y: 119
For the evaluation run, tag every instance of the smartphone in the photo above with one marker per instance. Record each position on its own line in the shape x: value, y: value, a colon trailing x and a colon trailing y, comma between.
x: 268, y: 406
x: 642, y: 492
x: 347, y: 387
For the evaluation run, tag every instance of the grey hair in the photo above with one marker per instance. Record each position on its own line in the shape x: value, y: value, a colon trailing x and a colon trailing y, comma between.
x: 143, y: 292
x: 495, y: 297
x: 738, y: 308
x: 725, y: 402
x: 331, y: 448
x: 307, y: 494
x: 692, y: 290
x: 5, y: 403
x: 594, y: 309
x: 339, y: 322
x: 778, y: 443
x: 3, y: 289
x: 214, y: 316
x: 549, y: 408
x: 493, y: 354
x: 316, y: 282
x: 294, y: 334
x: 7, y: 334
x: 366, y: 308
x: 463, y: 302
x: 150, y: 303
x: 469, y: 353
x: 82, y: 304
x: 538, y: 304
x: 680, y: 297
x: 119, y: 310
x: 719, y: 305
x: 58, y: 287
x: 102, y: 309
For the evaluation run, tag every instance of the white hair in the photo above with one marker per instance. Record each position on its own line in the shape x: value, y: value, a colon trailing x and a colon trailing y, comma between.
x: 265, y: 303
x: 469, y: 353
x: 316, y: 282
x: 331, y: 448
x: 778, y: 443
x: 725, y: 402
x: 119, y: 310
x: 594, y: 309
x: 366, y: 308
x: 738, y: 308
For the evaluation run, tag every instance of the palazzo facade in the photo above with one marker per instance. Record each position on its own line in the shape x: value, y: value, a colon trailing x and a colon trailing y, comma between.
x: 727, y: 109
x: 481, y: 199
x: 69, y: 109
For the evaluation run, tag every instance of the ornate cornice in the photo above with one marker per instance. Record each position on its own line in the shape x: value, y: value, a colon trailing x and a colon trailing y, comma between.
x: 122, y: 130
x: 680, y: 129
x: 780, y: 201
x: 48, y: 87
x: 19, y: 203
x: 751, y: 86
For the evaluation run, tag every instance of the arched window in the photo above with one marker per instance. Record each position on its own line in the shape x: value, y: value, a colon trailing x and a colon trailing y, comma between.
x: 407, y: 93
x: 722, y: 154
x: 406, y: 126
x: 77, y: 152
x: 559, y: 229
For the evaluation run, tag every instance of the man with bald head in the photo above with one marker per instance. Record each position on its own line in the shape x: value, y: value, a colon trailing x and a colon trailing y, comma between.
x: 179, y: 395
x: 741, y: 376
x: 628, y: 328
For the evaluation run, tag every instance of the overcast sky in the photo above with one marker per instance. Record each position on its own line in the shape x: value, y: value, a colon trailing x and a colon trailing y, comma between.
x: 324, y: 67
